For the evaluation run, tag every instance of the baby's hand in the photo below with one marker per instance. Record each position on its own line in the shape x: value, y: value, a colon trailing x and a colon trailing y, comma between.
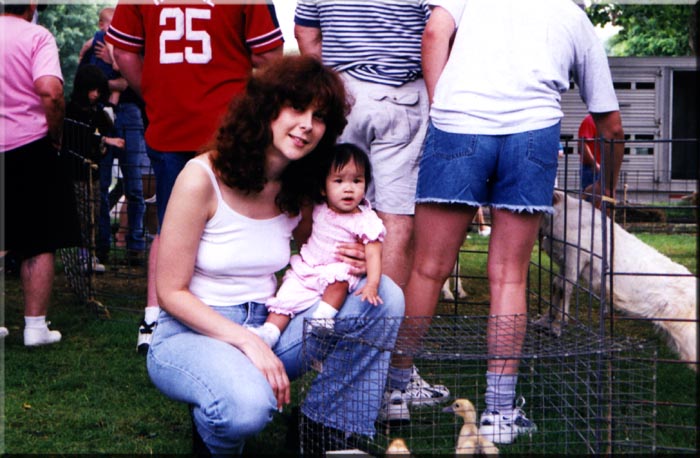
x: 369, y: 293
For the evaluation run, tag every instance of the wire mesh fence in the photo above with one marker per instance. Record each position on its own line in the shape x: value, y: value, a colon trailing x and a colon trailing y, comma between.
x: 608, y: 278
x: 586, y: 393
x: 104, y: 272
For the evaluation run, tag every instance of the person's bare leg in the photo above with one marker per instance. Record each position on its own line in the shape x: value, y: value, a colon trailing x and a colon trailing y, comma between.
x: 37, y: 275
x: 151, y: 296
x: 398, y: 247
x: 335, y: 294
x: 439, y: 233
x: 512, y: 240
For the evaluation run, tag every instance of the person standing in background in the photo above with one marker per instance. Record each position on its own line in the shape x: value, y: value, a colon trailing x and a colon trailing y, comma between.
x: 40, y: 214
x: 495, y: 72
x: 589, y: 149
x: 377, y: 51
x: 187, y: 61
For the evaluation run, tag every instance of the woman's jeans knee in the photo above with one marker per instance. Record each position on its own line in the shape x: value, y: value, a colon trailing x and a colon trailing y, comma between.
x: 231, y: 399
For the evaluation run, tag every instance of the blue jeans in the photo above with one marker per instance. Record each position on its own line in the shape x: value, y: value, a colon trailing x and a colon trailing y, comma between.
x: 166, y: 167
x: 232, y: 399
x: 133, y: 162
x: 589, y: 175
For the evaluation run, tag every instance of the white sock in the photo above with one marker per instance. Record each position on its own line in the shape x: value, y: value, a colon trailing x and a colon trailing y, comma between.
x: 324, y: 310
x: 268, y: 332
x: 35, y: 322
x: 151, y: 313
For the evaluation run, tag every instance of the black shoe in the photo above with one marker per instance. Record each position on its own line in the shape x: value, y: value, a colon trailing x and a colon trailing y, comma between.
x: 143, y: 342
x: 316, y: 439
x: 199, y: 448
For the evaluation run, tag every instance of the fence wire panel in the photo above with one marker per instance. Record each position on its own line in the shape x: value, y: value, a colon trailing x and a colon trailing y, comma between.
x: 78, y: 262
x: 586, y: 393
x: 615, y: 287
x: 104, y: 272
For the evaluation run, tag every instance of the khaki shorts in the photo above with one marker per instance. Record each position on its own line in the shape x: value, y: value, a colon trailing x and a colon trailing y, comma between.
x: 389, y: 123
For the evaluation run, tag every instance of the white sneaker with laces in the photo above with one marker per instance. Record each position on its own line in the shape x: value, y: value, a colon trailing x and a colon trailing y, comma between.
x: 421, y: 393
x: 394, y: 408
x: 34, y: 337
x: 145, y: 336
x: 504, y: 428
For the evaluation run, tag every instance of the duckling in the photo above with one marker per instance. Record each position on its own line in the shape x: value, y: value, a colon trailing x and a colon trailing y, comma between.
x: 397, y: 447
x: 469, y: 441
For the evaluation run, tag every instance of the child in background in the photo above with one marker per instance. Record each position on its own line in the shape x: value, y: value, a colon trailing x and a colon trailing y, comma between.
x: 342, y: 215
x: 97, y: 52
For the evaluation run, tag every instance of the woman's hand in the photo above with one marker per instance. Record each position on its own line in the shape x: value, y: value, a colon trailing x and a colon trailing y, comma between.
x: 271, y: 367
x: 352, y: 254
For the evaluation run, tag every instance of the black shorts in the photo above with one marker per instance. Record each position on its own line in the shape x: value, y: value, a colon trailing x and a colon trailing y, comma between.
x: 40, y: 213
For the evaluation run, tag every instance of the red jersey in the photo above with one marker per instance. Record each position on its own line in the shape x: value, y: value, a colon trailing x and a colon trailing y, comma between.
x: 588, y: 131
x: 196, y: 57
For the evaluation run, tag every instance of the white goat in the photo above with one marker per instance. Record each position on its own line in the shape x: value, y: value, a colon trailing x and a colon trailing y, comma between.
x: 664, y: 292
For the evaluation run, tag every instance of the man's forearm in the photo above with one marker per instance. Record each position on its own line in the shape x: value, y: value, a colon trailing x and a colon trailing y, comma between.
x: 609, y: 126
x: 131, y: 67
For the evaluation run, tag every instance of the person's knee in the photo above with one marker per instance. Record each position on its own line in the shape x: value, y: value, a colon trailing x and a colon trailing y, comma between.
x: 392, y: 296
x: 237, y: 417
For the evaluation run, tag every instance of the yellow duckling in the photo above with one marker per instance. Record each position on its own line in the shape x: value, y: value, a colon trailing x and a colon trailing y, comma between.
x: 469, y: 442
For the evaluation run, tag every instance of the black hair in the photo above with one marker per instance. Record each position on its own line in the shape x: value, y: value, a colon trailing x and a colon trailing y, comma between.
x: 338, y: 157
x: 16, y: 9
x: 87, y: 78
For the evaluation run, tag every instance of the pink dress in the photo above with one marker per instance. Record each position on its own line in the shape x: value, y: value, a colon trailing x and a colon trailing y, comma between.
x: 315, y: 267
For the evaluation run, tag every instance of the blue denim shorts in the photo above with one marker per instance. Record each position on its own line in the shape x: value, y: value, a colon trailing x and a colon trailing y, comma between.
x: 513, y: 172
x: 166, y: 168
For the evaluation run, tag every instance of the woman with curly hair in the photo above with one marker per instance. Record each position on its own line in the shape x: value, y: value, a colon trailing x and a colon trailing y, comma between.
x: 226, y: 232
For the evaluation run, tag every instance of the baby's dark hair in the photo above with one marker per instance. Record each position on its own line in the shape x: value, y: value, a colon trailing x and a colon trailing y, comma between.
x: 337, y: 158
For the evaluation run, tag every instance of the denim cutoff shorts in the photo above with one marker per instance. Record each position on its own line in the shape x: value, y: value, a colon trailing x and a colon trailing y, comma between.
x: 514, y: 172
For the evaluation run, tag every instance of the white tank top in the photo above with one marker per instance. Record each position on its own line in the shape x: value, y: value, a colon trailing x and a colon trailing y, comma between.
x: 238, y: 256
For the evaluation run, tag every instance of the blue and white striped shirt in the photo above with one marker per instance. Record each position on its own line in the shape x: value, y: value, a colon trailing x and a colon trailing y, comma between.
x: 377, y: 41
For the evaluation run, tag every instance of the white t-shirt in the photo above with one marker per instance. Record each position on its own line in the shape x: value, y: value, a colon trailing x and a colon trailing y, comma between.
x: 510, y: 63
x: 238, y: 256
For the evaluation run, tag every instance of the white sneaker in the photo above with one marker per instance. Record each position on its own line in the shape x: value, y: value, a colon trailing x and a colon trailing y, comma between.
x: 421, y: 393
x: 3, y: 332
x: 394, y: 408
x: 97, y: 266
x: 485, y: 232
x: 33, y: 337
x: 92, y: 265
x: 145, y: 336
x: 504, y: 428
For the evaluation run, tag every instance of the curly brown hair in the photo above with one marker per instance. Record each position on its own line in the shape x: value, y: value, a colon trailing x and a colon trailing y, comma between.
x: 245, y: 134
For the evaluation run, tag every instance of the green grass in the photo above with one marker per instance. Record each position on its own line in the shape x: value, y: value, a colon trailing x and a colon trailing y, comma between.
x: 91, y: 393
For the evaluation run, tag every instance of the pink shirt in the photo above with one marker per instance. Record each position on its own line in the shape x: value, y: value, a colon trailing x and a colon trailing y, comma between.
x: 27, y: 52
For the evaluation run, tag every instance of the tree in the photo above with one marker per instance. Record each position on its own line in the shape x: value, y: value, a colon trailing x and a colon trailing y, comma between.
x: 646, y: 30
x: 72, y: 25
